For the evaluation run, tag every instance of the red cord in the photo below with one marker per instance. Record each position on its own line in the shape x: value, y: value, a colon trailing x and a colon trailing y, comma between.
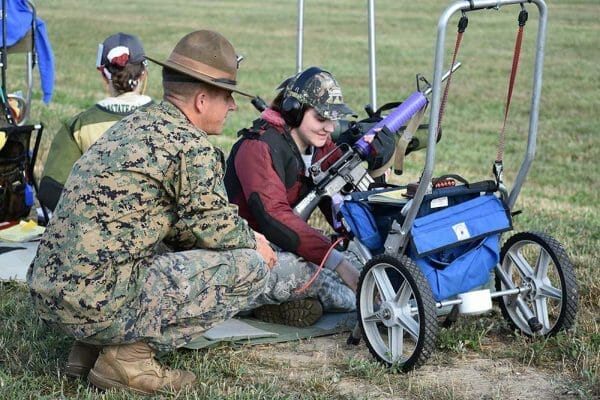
x: 316, y: 274
x: 513, y: 75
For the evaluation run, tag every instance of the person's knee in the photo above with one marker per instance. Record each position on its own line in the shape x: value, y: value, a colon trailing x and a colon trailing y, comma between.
x: 253, y: 271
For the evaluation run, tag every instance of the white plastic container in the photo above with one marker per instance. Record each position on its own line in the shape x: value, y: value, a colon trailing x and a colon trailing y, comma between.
x: 475, y: 302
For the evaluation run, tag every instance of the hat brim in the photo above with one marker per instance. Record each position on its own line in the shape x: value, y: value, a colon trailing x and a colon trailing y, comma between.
x: 199, y: 76
x: 336, y: 111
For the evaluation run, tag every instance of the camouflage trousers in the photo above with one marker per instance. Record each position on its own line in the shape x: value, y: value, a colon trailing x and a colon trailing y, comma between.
x: 291, y: 273
x: 181, y: 296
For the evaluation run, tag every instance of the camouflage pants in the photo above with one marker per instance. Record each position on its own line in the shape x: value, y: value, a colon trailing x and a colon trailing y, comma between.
x: 181, y: 296
x: 291, y: 273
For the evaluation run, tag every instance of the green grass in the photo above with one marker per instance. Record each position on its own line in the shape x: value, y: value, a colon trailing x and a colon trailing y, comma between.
x: 560, y: 196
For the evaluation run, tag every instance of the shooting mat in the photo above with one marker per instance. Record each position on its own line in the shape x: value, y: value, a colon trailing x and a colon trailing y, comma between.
x: 15, y: 258
x: 246, y: 330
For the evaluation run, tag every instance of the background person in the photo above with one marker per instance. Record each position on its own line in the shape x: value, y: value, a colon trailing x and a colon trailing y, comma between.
x: 99, y: 274
x: 267, y: 175
x: 122, y: 65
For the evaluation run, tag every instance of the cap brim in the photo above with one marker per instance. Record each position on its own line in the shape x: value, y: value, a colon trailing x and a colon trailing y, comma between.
x: 337, y: 111
x: 199, y: 76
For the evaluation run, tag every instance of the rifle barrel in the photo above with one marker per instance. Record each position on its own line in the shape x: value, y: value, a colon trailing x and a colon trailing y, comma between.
x: 444, y: 77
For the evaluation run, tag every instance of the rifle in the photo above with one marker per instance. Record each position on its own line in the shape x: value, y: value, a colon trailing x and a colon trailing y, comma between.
x: 345, y: 175
x: 348, y: 174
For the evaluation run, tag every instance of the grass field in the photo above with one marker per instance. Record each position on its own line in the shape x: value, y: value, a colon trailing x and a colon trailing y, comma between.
x: 560, y: 196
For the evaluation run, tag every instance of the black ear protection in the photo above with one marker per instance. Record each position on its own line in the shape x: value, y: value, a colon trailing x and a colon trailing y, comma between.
x: 292, y: 110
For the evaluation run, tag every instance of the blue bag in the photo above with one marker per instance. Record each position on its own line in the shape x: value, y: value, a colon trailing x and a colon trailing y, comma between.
x: 466, y: 268
x: 458, y: 246
x: 360, y: 221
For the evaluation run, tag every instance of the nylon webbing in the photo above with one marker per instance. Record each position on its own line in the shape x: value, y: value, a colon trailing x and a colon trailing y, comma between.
x: 462, y: 25
x: 513, y: 75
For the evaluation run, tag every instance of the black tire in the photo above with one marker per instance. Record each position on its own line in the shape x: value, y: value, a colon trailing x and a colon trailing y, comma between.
x: 538, y: 262
x: 396, y: 311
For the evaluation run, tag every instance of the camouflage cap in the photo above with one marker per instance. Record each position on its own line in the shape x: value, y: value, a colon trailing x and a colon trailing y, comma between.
x: 319, y: 90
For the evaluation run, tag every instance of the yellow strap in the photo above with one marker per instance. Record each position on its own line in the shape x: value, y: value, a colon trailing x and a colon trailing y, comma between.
x: 405, y: 139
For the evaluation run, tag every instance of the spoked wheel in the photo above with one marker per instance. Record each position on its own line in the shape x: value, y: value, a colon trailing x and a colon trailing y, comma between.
x: 537, y: 263
x: 397, y: 312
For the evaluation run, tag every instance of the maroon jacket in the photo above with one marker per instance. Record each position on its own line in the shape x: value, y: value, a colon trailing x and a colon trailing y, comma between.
x: 265, y: 177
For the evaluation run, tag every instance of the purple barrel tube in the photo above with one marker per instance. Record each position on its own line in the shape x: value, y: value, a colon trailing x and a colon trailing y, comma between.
x: 394, y: 120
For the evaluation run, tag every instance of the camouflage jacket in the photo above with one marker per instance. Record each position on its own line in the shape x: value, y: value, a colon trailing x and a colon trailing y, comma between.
x: 152, y: 177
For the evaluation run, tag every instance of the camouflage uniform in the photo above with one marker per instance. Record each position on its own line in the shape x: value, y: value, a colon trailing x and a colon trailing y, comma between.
x: 292, y: 272
x: 99, y: 274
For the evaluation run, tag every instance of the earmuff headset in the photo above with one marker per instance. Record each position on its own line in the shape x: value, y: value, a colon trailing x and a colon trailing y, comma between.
x: 292, y: 110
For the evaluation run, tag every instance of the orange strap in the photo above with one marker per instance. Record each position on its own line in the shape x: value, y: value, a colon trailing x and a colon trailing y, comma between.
x: 462, y: 26
x: 513, y: 76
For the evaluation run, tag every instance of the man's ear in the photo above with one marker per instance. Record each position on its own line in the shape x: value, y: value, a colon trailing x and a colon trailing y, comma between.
x: 200, y: 101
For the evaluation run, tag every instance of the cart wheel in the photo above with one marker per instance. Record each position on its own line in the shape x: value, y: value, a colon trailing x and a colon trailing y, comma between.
x: 397, y: 312
x: 539, y: 264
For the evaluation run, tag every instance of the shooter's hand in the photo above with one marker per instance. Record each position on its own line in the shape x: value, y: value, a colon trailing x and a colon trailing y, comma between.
x: 382, y: 148
x: 265, y: 250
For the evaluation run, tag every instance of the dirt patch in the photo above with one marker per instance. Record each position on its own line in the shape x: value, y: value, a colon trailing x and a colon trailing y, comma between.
x: 475, y: 377
x: 468, y: 376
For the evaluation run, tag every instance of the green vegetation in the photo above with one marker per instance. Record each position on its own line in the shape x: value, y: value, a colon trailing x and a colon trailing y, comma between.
x: 560, y: 196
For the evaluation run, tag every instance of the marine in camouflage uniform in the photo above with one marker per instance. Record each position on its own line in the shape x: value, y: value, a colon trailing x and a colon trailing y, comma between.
x: 99, y: 273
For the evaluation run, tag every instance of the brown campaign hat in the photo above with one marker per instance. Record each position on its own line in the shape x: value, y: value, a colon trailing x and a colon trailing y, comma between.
x: 206, y: 56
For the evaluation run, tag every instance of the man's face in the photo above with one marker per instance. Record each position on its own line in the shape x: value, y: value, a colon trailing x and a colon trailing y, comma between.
x: 218, y: 103
x: 314, y: 130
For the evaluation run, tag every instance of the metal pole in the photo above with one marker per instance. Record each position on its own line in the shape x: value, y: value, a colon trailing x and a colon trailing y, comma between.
x: 372, y: 61
x: 299, y: 36
x: 3, y: 60
x: 4, y: 46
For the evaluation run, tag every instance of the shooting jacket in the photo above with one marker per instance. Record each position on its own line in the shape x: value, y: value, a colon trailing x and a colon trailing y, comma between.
x: 266, y: 178
x: 151, y: 178
x: 77, y: 135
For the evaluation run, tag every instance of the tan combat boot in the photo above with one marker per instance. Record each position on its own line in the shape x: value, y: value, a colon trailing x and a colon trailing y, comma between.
x: 133, y: 367
x: 81, y: 359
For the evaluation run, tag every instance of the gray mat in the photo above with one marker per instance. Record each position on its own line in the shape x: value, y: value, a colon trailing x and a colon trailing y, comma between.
x: 241, y: 331
x: 15, y: 259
